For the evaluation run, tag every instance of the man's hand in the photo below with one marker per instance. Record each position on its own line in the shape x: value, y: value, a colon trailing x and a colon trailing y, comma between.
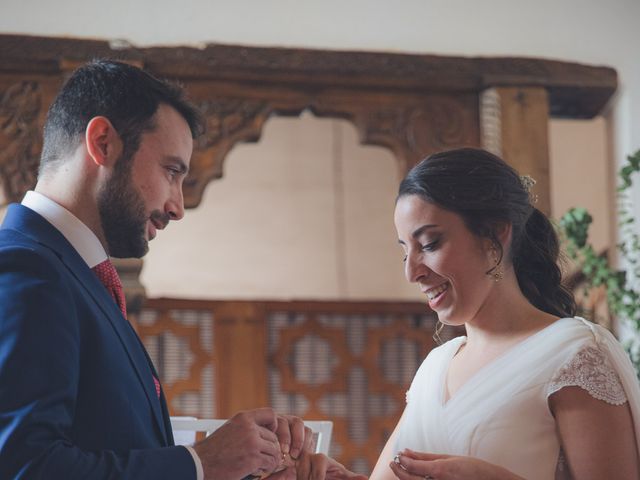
x: 293, y: 436
x: 246, y: 444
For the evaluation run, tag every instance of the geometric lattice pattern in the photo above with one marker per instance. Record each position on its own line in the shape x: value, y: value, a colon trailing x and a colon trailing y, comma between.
x: 352, y: 369
x: 180, y: 344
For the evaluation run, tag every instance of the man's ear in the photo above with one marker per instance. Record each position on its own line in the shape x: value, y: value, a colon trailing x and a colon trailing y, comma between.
x: 104, y: 145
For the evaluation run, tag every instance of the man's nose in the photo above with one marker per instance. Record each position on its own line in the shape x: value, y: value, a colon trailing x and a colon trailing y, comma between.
x: 175, y: 206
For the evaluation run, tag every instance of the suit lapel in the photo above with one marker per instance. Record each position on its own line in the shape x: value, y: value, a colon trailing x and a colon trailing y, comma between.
x: 28, y: 222
x: 133, y: 346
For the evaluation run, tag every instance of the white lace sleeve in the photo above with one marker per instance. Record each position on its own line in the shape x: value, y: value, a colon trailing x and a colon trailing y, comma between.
x: 591, y: 370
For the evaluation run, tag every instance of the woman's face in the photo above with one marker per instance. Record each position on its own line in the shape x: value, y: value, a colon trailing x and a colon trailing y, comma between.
x: 445, y: 259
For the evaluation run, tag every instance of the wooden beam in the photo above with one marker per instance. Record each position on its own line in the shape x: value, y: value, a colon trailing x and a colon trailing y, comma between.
x: 514, y: 123
x: 575, y: 90
x: 240, y: 339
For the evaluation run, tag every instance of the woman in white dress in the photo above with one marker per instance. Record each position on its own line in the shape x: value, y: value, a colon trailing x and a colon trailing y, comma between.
x: 531, y: 392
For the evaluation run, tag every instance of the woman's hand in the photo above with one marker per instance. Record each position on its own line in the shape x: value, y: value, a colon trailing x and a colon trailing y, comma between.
x: 310, y: 466
x: 410, y: 465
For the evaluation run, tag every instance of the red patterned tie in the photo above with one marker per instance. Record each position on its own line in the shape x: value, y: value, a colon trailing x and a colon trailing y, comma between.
x: 108, y: 275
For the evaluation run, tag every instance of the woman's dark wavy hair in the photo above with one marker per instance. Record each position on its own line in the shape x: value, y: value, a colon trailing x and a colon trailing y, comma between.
x: 488, y: 193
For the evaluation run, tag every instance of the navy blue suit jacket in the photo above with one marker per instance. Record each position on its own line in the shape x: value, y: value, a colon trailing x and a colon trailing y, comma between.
x: 77, y: 398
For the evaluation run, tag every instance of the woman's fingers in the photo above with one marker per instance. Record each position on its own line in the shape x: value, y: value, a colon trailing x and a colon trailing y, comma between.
x: 408, y: 453
x: 408, y: 465
x: 404, y: 473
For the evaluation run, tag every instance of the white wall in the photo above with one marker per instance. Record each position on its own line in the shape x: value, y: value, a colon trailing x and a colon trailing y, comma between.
x: 306, y: 213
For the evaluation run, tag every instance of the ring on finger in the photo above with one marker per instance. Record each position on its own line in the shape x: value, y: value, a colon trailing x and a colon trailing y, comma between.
x: 396, y: 460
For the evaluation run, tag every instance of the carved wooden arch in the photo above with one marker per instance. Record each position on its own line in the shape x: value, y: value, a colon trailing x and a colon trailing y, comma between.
x: 409, y: 129
x: 411, y: 104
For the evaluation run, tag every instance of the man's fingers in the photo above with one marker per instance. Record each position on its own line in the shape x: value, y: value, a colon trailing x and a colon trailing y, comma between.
x: 268, y: 436
x: 265, y: 464
x: 265, y: 417
x: 269, y: 445
x: 284, y: 434
x: 298, y: 433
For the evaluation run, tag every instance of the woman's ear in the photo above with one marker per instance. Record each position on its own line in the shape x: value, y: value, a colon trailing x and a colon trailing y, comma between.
x: 104, y: 145
x: 503, y: 233
x: 500, y: 241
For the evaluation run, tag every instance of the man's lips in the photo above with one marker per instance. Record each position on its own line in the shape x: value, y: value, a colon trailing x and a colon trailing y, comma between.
x: 157, y: 221
x: 152, y: 231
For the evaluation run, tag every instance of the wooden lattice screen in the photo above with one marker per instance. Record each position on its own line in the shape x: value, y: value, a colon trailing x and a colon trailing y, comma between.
x: 346, y: 362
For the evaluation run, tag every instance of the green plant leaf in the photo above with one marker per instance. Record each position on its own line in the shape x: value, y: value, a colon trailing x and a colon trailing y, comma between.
x: 622, y: 297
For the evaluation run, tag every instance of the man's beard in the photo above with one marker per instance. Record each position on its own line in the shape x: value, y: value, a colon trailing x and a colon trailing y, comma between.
x: 122, y: 214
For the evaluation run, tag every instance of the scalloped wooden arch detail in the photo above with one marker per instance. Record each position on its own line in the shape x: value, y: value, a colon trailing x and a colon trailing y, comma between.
x: 410, y: 130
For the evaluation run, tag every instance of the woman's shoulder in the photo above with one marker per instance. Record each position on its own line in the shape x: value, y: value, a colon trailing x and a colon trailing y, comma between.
x: 574, y: 328
x: 596, y: 364
x: 582, y: 330
x: 447, y: 348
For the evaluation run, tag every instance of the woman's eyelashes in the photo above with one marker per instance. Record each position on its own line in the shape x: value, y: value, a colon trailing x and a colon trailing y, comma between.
x: 430, y: 246
x: 427, y: 247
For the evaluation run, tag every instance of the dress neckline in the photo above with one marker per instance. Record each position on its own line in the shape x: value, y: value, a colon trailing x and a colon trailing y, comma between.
x: 445, y: 399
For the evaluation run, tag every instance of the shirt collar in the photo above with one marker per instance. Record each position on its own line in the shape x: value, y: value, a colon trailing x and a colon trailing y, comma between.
x: 77, y: 233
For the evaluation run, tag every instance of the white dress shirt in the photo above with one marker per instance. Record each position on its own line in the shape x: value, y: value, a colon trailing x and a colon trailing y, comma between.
x: 86, y: 244
x: 77, y: 233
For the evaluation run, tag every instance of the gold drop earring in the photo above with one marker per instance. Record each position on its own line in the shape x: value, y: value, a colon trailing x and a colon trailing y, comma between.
x: 497, y: 272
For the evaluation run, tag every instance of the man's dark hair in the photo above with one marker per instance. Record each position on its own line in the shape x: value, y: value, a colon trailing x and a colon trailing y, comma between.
x: 128, y: 96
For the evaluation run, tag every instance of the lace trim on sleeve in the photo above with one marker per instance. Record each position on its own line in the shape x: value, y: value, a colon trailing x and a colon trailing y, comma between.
x: 591, y: 370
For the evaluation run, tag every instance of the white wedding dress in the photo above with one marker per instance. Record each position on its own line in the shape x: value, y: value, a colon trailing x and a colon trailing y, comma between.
x: 501, y: 414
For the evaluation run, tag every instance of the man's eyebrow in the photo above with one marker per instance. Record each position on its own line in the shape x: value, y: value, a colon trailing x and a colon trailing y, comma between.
x: 419, y: 231
x: 179, y: 162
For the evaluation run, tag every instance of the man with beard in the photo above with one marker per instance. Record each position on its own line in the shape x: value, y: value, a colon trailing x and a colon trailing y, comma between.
x: 79, y: 397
